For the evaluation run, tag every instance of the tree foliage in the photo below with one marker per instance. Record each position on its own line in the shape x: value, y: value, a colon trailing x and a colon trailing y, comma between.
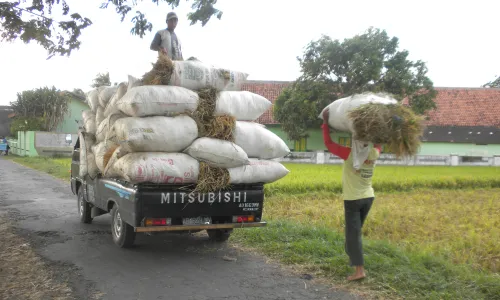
x: 493, y: 84
x: 369, y: 62
x: 32, y: 20
x: 101, y: 80
x: 44, y: 108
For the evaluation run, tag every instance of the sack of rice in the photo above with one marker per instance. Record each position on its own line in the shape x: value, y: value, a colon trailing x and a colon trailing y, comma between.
x: 378, y: 119
x: 106, y: 94
x: 154, y: 134
x: 258, y: 171
x: 157, y: 100
x: 259, y: 142
x: 195, y: 75
x: 106, y: 124
x: 218, y: 153
x: 154, y: 167
x: 133, y: 82
x: 93, y: 98
x: 89, y: 121
x: 99, y: 116
x: 111, y: 108
x: 339, y: 109
x: 99, y: 150
x: 87, y: 160
x: 244, y: 106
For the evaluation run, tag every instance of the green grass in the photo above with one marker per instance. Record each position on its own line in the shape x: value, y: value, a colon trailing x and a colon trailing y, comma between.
x: 57, y: 167
x: 328, y: 178
x: 391, y: 271
x: 423, y: 239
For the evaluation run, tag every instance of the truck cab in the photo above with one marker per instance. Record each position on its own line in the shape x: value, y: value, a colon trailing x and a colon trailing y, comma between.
x: 152, y: 207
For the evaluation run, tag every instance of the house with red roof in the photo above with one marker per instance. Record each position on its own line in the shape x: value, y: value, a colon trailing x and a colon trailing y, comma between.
x: 466, y: 122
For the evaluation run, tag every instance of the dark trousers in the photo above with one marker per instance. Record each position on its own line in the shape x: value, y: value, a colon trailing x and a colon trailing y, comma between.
x: 355, y: 216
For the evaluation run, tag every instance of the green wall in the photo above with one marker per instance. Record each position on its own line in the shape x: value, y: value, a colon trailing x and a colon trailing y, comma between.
x: 315, y: 143
x: 69, y: 125
x: 460, y: 149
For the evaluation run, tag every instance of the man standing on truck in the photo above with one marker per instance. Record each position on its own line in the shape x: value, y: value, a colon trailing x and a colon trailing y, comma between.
x: 357, y: 193
x: 166, y: 41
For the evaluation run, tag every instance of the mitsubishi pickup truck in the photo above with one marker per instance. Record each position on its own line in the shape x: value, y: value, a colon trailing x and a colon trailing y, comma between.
x: 153, y: 207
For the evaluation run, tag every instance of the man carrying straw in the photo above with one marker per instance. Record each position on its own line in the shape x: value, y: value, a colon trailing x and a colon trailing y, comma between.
x: 166, y: 41
x: 357, y: 193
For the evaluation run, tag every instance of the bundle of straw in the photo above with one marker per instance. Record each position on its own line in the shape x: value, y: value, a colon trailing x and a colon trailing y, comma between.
x: 212, y: 179
x: 161, y: 72
x: 221, y: 127
x: 395, y: 125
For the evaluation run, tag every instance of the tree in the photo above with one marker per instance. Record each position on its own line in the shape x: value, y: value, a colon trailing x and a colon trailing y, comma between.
x: 369, y: 62
x: 493, y: 84
x: 101, y: 80
x: 34, y: 22
x: 40, y: 109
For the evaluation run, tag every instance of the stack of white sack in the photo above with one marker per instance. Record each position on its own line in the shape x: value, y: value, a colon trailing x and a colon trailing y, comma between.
x: 147, y: 134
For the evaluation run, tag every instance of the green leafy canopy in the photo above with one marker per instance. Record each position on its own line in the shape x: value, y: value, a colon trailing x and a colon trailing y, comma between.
x: 331, y: 69
x: 31, y: 20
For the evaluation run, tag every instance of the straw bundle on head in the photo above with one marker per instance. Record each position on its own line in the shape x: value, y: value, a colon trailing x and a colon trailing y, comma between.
x: 221, y: 127
x: 161, y: 72
x: 212, y: 179
x: 395, y: 125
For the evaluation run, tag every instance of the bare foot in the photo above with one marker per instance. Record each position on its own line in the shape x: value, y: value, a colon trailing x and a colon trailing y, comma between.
x: 356, y: 276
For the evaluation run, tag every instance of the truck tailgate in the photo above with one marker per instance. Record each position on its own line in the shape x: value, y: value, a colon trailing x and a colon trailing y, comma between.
x: 178, y: 202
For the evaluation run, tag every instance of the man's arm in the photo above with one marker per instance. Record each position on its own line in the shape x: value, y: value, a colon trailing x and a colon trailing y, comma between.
x: 334, y: 148
x: 156, y: 43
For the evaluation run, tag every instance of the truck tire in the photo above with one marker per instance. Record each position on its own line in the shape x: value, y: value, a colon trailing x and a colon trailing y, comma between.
x: 84, y: 208
x: 123, y: 234
x: 219, y: 235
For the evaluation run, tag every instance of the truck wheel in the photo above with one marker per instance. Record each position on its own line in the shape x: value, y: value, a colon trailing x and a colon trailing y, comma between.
x: 123, y: 234
x: 84, y: 208
x: 219, y: 235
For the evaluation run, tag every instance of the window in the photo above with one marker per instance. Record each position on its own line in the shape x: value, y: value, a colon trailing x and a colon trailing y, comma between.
x: 301, y: 145
x: 345, y: 141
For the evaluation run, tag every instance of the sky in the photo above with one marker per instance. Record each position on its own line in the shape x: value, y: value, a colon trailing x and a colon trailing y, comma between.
x: 458, y: 40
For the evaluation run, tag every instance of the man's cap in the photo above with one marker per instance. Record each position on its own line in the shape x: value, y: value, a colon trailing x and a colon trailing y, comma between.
x: 171, y: 15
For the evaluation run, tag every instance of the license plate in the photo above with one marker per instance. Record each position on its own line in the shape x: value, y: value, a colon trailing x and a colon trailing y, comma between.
x: 197, y: 221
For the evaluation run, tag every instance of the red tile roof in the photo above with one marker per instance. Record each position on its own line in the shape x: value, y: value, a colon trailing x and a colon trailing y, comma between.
x: 466, y: 107
x: 268, y: 89
x: 455, y: 106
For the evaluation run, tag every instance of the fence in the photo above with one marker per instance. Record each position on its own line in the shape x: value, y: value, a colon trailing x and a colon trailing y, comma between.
x: 38, y: 143
x: 320, y: 157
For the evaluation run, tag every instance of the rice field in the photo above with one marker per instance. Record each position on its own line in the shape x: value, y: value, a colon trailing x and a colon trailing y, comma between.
x: 433, y: 232
x: 328, y: 178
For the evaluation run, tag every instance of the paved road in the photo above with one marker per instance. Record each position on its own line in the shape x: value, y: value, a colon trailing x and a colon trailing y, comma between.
x: 169, y: 266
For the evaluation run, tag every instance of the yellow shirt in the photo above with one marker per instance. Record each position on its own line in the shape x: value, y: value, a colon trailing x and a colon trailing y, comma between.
x: 357, y: 184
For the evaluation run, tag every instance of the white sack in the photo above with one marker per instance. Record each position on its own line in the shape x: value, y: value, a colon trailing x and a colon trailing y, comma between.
x: 111, y: 106
x: 154, y: 134
x: 218, y: 153
x: 106, y: 124
x: 340, y: 108
x: 244, y: 106
x: 195, y: 75
x: 258, y: 171
x: 99, y: 116
x: 106, y: 94
x: 89, y: 121
x: 87, y: 160
x: 155, y: 167
x: 133, y: 82
x: 99, y: 150
x: 157, y: 100
x: 93, y: 98
x: 259, y: 142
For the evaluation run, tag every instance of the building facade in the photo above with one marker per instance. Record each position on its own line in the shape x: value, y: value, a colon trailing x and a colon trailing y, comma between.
x: 466, y: 122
